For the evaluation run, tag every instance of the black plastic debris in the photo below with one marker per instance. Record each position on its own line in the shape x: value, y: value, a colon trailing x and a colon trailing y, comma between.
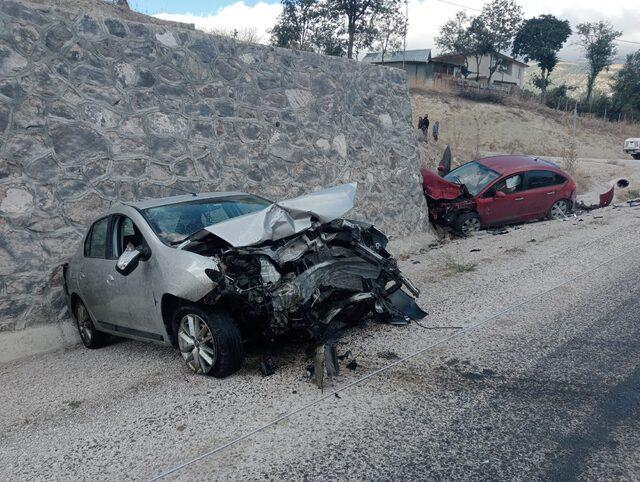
x: 497, y: 232
x: 267, y: 368
x: 352, y: 365
x: 345, y: 355
x: 532, y: 240
x: 474, y: 250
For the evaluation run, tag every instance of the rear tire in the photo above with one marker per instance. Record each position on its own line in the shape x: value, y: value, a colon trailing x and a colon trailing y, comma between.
x: 467, y: 223
x: 636, y: 156
x: 209, y: 340
x: 559, y: 209
x: 90, y: 336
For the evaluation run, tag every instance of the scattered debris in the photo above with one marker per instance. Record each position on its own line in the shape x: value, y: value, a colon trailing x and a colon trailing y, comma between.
x: 605, y: 200
x: 180, y: 428
x: 352, y: 365
x: 388, y: 355
x: 497, y: 232
x: 633, y: 202
x: 345, y: 355
x: 532, y: 240
x: 474, y: 250
x: 267, y: 368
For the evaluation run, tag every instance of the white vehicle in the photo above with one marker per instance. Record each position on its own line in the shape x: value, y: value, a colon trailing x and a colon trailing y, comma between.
x: 632, y: 146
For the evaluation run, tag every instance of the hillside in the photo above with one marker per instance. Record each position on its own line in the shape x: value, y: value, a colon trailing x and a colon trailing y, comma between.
x: 528, y: 128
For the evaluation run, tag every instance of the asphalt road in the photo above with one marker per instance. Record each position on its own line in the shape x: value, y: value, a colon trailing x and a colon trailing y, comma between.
x: 549, y: 390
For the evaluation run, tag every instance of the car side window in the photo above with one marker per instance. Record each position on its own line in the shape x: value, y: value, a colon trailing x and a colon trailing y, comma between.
x: 95, y: 245
x: 538, y: 179
x: 126, y: 233
x: 508, y: 185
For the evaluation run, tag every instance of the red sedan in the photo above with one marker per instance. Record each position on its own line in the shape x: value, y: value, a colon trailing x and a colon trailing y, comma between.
x: 498, y: 190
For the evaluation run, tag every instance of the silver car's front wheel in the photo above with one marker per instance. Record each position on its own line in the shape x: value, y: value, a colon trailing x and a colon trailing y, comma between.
x: 559, y: 210
x: 196, y: 344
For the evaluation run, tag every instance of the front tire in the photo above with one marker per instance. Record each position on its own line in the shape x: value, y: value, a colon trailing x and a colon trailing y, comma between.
x: 467, y: 223
x: 636, y: 156
x: 559, y: 209
x: 209, y: 340
x: 90, y: 336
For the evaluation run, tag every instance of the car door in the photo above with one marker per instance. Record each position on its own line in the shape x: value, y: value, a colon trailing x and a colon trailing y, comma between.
x: 136, y: 305
x: 505, y: 207
x: 95, y: 278
x: 542, y: 189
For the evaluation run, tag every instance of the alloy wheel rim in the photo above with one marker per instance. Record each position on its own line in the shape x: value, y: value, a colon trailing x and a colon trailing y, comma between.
x: 470, y: 226
x: 196, y: 344
x: 558, y: 210
x: 84, y: 324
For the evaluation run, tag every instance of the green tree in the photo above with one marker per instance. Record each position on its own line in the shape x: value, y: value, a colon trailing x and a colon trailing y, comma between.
x: 390, y: 27
x: 626, y: 84
x: 540, y: 39
x: 480, y: 42
x: 359, y: 18
x: 296, y: 23
x: 501, y: 19
x: 598, y: 40
x: 455, y: 37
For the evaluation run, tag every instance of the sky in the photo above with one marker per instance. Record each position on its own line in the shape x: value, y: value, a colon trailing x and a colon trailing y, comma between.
x: 425, y: 16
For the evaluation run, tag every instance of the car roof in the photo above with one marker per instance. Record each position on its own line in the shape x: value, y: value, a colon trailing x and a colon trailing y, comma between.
x: 509, y: 164
x: 163, y: 201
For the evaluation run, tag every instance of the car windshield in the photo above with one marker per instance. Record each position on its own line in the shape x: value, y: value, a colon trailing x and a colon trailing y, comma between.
x: 473, y: 175
x: 174, y: 223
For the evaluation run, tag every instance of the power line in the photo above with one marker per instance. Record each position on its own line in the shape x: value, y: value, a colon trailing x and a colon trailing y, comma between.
x: 628, y: 41
x: 461, y: 6
x: 358, y: 381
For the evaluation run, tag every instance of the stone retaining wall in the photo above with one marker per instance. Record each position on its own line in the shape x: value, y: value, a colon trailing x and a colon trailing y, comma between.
x: 97, y: 110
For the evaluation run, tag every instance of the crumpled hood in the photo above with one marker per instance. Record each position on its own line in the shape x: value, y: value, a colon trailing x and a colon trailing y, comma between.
x: 438, y: 188
x: 286, y: 218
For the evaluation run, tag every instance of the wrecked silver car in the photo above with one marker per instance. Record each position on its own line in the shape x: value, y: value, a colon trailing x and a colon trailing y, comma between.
x: 207, y: 272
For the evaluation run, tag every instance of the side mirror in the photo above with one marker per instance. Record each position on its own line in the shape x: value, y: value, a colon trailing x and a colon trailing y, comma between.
x: 129, y: 259
x: 440, y: 168
x: 499, y: 194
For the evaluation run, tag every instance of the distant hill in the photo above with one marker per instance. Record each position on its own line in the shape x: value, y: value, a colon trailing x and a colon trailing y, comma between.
x: 575, y: 74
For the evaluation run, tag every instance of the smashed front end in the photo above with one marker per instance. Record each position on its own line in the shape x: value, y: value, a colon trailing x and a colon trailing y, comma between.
x: 445, y: 200
x: 330, y: 273
x: 298, y: 265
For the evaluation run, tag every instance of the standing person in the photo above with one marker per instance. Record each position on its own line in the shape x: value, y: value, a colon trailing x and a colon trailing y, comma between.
x: 436, y: 130
x: 420, y: 123
x: 425, y: 127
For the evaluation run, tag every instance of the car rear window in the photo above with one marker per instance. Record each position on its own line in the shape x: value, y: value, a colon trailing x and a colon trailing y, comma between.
x: 541, y: 178
x: 173, y: 223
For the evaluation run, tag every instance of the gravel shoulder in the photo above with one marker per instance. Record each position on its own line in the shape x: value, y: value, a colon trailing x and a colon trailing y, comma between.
x: 132, y: 410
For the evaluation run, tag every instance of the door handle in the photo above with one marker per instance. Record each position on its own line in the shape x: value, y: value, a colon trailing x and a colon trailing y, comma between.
x: 550, y: 193
x: 519, y: 199
x: 110, y: 279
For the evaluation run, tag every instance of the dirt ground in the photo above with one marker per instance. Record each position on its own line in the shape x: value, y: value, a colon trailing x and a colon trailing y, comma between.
x: 471, y: 126
x: 132, y: 410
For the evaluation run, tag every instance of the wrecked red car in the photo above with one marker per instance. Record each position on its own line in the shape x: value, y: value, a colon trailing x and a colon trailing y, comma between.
x: 496, y: 191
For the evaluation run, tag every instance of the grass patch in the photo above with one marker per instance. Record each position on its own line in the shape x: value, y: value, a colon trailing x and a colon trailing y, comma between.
x: 630, y: 194
x: 453, y: 266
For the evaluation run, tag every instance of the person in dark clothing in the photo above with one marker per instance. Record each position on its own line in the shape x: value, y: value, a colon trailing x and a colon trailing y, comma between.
x: 425, y: 127
x: 420, y: 121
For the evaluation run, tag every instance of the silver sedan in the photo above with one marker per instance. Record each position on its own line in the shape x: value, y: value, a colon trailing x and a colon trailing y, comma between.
x: 207, y: 272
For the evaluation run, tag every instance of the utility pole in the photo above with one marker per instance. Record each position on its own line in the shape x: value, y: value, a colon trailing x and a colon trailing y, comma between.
x: 406, y: 27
